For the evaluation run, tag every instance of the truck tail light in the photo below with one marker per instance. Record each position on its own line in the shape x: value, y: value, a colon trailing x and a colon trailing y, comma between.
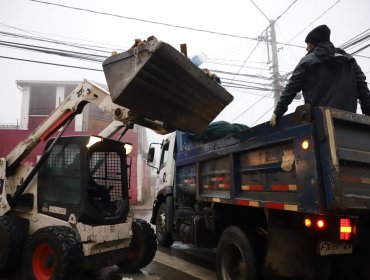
x: 321, y: 224
x: 307, y: 222
x: 345, y: 229
x: 305, y: 144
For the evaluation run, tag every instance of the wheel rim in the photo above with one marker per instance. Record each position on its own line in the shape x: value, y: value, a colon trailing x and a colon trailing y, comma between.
x: 233, y: 263
x: 43, y: 262
x: 160, y: 224
x: 132, y: 254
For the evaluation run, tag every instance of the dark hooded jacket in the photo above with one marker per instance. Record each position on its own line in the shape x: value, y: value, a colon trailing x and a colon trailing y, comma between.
x: 327, y: 76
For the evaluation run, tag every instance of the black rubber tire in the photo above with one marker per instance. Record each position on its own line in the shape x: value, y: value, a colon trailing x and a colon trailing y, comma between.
x: 58, y: 247
x: 164, y: 238
x: 13, y: 236
x: 235, y: 259
x: 142, y: 248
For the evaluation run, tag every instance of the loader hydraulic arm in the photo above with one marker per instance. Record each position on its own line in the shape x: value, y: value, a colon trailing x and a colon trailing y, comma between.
x: 86, y: 92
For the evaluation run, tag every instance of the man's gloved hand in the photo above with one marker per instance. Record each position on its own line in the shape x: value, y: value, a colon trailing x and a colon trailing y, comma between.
x: 273, y: 120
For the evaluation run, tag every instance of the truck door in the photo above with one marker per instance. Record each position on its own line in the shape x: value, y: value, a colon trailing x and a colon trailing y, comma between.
x: 167, y: 163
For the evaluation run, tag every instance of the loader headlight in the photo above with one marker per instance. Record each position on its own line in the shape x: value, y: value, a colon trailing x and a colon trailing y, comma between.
x: 93, y: 140
x: 128, y: 148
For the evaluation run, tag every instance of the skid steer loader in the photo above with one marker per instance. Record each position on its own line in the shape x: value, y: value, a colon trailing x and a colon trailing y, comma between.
x: 70, y: 211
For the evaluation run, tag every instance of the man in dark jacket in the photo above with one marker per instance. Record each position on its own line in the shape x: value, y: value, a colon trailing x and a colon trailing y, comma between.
x: 327, y: 76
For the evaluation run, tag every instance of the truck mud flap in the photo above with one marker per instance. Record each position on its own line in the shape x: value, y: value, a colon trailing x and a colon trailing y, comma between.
x: 163, y: 89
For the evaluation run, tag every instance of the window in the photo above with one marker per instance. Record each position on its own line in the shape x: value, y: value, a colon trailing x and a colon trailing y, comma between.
x: 42, y: 100
x: 61, y: 175
x: 164, y: 156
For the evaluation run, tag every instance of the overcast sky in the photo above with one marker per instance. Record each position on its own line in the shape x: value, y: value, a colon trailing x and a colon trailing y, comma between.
x: 225, y: 32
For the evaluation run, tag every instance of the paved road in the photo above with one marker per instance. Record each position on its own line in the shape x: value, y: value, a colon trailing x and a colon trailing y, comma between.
x: 178, y: 262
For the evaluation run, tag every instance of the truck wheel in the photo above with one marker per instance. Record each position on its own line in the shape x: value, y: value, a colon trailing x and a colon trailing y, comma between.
x: 142, y: 248
x: 13, y: 234
x: 164, y: 238
x: 52, y: 253
x: 235, y: 259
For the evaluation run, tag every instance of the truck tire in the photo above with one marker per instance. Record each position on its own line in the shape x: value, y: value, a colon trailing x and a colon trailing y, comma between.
x: 142, y: 248
x: 163, y: 236
x: 235, y: 259
x: 53, y: 253
x: 13, y: 235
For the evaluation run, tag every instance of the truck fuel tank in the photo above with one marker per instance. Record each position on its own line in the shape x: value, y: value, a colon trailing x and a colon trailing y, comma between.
x: 163, y: 89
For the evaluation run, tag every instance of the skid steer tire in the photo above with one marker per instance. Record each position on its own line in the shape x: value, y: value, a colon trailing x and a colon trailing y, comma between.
x: 142, y: 248
x: 163, y: 236
x: 53, y: 253
x: 13, y: 235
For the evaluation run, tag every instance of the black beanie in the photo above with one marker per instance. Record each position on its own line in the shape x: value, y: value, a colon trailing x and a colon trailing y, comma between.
x: 319, y: 34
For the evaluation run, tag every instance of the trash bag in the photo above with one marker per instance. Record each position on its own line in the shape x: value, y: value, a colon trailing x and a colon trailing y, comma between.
x: 218, y: 129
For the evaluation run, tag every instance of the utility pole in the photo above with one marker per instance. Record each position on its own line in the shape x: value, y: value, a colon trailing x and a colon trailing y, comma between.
x: 275, y: 64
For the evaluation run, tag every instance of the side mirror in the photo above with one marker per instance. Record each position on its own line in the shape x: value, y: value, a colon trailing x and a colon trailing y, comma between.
x: 151, y: 153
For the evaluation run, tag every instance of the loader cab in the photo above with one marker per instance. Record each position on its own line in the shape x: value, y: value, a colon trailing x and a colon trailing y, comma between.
x: 84, y: 178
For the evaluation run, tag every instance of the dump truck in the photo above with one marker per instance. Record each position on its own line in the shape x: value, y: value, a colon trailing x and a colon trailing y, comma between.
x: 291, y: 202
x: 70, y: 212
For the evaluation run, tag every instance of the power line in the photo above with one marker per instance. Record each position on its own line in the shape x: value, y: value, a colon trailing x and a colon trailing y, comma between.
x: 230, y: 84
x: 260, y: 10
x: 53, y: 51
x: 355, y: 40
x: 246, y: 110
x: 146, y: 21
x: 246, y: 75
x: 86, y: 57
x: 285, y: 10
x: 249, y: 56
x: 299, y: 33
x: 262, y: 115
x: 243, y: 81
x: 231, y: 60
x: 233, y: 65
x: 361, y: 49
x: 47, y: 40
x: 49, y: 63
x: 362, y: 56
x: 57, y: 41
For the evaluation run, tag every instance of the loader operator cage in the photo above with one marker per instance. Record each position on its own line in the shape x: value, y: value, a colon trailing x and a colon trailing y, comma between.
x: 90, y: 183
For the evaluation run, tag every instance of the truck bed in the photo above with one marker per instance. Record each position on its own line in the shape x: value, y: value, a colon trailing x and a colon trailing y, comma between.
x: 267, y: 167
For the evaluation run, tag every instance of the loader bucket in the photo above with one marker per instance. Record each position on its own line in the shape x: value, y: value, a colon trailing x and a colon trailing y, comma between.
x: 161, y: 87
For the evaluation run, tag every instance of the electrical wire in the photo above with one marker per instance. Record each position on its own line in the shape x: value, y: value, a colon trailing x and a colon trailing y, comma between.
x: 250, y: 107
x: 53, y: 51
x: 361, y: 49
x: 300, y: 32
x: 49, y: 63
x: 232, y: 65
x: 107, y: 47
x: 146, y: 21
x: 258, y: 8
x: 243, y: 81
x: 264, y: 114
x: 41, y: 39
x: 245, y: 75
x: 285, y: 10
x: 355, y: 40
